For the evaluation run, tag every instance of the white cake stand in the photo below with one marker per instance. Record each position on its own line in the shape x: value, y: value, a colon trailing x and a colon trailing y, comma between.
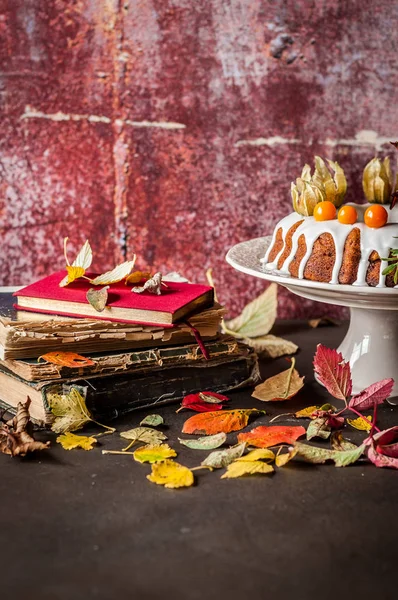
x: 371, y: 343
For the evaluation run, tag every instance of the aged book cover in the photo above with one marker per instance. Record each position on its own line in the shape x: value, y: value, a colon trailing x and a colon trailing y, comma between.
x: 110, y: 396
x: 28, y: 335
x: 177, y: 300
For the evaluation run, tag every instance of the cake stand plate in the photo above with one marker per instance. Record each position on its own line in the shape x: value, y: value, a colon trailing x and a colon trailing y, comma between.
x: 371, y: 343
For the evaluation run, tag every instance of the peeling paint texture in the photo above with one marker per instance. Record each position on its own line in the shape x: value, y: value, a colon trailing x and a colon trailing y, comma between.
x: 172, y: 128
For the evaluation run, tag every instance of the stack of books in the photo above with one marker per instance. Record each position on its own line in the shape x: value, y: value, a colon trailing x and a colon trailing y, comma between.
x: 146, y: 349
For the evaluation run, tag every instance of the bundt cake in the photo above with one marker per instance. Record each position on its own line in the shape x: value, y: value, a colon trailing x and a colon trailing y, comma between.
x: 349, y: 247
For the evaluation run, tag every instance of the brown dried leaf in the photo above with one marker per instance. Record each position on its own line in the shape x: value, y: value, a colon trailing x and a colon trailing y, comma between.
x: 282, y: 386
x: 98, y: 298
x: 271, y: 345
x: 322, y: 321
x: 15, y: 438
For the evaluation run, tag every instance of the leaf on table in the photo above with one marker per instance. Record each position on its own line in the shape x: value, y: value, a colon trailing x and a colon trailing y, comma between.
x: 316, y: 455
x: 171, y: 474
x: 115, y: 275
x: 209, y: 442
x: 383, y: 449
x: 213, y: 422
x: 79, y: 266
x: 257, y: 317
x: 239, y: 469
x: 15, y: 435
x: 305, y: 413
x: 322, y: 321
x: 203, y: 402
x: 258, y: 454
x: 266, y: 436
x: 319, y: 427
x: 153, y: 453
x: 153, y: 420
x: 67, y: 359
x: 271, y: 346
x: 333, y: 372
x: 282, y: 458
x: 282, y: 386
x: 138, y: 277
x: 381, y: 460
x: 69, y: 441
x: 146, y: 435
x: 338, y: 442
x: 98, y: 298
x: 360, y: 423
x: 69, y: 410
x: 222, y: 458
x: 374, y: 394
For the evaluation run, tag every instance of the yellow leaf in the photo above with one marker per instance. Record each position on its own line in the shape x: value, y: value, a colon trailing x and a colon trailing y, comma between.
x: 282, y: 459
x: 305, y: 413
x: 171, y: 474
x: 70, y: 411
x: 73, y: 273
x: 258, y: 454
x: 138, y: 276
x: 69, y: 441
x: 117, y: 274
x: 257, y: 318
x: 360, y: 423
x: 154, y: 453
x: 238, y: 469
x: 282, y: 386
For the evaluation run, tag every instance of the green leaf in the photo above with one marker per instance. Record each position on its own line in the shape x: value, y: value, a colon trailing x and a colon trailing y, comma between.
x: 339, y: 443
x: 257, y: 318
x: 318, y: 428
x: 223, y: 458
x: 209, y: 442
x: 152, y: 420
x: 316, y: 455
x: 146, y: 435
x: 347, y: 457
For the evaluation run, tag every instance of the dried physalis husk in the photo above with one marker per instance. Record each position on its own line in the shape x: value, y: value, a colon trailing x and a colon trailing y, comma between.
x: 153, y: 285
x: 377, y: 181
x: 305, y: 196
x: 98, y: 298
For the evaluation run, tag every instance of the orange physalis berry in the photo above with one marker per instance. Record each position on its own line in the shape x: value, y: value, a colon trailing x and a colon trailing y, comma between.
x: 324, y: 211
x: 347, y: 215
x: 376, y: 216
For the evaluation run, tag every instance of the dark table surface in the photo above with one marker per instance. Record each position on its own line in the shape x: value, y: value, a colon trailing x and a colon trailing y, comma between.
x: 81, y: 525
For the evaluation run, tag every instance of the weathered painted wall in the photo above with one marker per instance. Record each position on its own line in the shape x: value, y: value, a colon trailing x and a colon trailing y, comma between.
x: 173, y: 128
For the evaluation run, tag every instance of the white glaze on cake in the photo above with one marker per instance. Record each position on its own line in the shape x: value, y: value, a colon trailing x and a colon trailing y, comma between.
x: 380, y: 240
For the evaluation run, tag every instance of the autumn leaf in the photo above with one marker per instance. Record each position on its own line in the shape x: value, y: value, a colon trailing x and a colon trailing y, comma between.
x: 322, y: 321
x: 203, y: 402
x: 115, y: 275
x: 153, y: 420
x: 152, y: 285
x: 171, y: 474
x: 282, y: 386
x: 271, y: 346
x: 137, y: 277
x: 337, y: 442
x: 222, y: 458
x: 214, y: 422
x: 258, y: 454
x: 282, y: 459
x: 383, y: 449
x: 333, y: 372
x: 153, y: 453
x: 266, y: 436
x: 239, y: 469
x: 374, y: 394
x: 146, y: 435
x: 316, y: 455
x: 15, y: 435
x: 67, y: 359
x: 305, y: 413
x: 98, y: 298
x: 70, y: 411
x: 69, y: 441
x: 319, y: 427
x: 208, y: 442
x: 79, y: 266
x: 257, y: 318
x: 360, y: 423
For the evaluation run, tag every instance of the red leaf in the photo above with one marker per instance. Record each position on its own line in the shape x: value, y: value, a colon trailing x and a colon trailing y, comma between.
x: 265, y: 437
x: 333, y: 372
x: 381, y: 460
x: 374, y: 394
x: 382, y: 452
x: 224, y: 422
x: 196, y: 403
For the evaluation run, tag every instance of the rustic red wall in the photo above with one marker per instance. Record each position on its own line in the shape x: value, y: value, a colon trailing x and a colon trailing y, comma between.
x: 173, y: 128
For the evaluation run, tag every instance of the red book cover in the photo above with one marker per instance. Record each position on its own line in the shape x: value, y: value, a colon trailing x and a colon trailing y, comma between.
x: 173, y: 297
